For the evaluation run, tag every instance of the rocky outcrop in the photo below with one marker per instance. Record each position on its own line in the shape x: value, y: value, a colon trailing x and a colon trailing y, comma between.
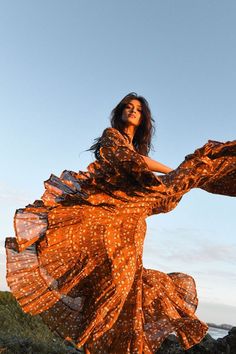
x: 21, y: 333
x: 209, y: 345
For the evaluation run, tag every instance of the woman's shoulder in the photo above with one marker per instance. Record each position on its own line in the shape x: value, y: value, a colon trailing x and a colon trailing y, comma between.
x: 112, y: 133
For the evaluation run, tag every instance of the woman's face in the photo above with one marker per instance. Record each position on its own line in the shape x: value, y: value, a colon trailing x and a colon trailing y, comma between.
x: 132, y: 113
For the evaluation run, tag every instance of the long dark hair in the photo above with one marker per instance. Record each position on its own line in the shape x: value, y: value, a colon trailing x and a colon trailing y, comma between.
x: 144, y: 132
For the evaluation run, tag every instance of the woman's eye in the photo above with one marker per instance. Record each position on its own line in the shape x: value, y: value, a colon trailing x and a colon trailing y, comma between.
x: 130, y: 107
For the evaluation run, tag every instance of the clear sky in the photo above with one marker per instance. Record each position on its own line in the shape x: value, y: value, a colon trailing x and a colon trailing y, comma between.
x: 64, y: 65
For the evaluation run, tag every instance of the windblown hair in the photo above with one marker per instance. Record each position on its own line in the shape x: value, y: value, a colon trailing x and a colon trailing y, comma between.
x: 144, y: 132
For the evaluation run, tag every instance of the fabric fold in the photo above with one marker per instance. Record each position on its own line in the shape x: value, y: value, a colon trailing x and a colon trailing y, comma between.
x: 77, y: 256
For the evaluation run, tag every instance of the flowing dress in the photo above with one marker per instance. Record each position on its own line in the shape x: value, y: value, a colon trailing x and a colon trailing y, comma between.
x: 77, y: 256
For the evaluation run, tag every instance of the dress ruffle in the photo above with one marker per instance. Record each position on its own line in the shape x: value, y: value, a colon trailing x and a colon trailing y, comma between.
x: 77, y: 256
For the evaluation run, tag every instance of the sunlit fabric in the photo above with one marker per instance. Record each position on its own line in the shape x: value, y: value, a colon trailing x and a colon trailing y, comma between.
x: 77, y: 256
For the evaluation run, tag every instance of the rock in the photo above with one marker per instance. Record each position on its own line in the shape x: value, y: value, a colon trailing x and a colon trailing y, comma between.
x: 225, y: 345
x: 228, y: 343
x: 21, y: 333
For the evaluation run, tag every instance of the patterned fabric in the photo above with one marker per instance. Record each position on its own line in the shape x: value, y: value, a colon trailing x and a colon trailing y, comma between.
x: 77, y: 256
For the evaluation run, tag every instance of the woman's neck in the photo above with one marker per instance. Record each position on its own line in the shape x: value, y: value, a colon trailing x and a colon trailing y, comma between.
x: 130, y: 131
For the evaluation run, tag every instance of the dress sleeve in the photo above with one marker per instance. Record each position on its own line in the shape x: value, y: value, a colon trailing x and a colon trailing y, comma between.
x: 211, y: 168
x: 115, y: 152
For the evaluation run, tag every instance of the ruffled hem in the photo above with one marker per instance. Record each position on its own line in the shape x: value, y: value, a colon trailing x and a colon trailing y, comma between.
x: 77, y: 256
x: 168, y: 305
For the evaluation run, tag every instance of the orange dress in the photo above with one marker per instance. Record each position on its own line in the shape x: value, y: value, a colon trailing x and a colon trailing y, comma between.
x: 77, y: 256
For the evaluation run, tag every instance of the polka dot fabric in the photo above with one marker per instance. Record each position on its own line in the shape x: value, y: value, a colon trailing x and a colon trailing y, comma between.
x: 77, y: 256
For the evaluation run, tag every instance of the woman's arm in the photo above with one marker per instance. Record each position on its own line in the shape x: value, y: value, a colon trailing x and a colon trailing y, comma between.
x: 156, y: 166
x: 117, y: 156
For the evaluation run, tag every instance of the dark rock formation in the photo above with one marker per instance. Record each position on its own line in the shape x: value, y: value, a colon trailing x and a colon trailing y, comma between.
x: 21, y: 333
x: 209, y: 345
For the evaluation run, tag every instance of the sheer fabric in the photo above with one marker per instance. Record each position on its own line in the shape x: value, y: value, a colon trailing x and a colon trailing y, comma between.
x: 77, y: 256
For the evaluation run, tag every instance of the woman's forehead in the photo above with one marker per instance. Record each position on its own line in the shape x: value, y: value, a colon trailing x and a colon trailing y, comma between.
x: 135, y: 102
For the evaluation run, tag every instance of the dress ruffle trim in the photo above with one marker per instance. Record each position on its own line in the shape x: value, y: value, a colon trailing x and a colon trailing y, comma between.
x: 77, y: 256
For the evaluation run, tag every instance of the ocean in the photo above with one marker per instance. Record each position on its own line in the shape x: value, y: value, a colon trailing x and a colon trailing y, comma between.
x: 217, y: 332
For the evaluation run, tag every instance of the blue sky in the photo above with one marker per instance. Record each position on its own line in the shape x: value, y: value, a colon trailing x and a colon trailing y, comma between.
x: 64, y: 65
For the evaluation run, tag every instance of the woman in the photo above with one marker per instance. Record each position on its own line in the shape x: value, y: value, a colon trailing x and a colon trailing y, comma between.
x: 77, y: 256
